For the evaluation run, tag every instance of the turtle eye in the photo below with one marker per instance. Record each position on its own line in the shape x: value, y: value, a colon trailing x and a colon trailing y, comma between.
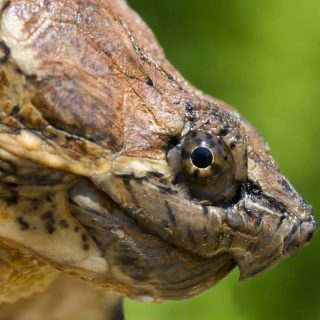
x: 208, y: 166
x: 202, y: 157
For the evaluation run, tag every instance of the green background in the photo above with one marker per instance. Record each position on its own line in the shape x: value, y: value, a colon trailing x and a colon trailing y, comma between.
x: 263, y: 57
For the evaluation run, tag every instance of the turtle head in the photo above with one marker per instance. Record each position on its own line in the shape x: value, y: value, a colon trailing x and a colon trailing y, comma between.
x: 116, y: 170
x: 216, y: 190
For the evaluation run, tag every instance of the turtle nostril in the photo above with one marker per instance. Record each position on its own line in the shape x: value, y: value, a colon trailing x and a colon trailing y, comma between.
x: 311, y: 230
x: 310, y: 236
x: 299, y: 236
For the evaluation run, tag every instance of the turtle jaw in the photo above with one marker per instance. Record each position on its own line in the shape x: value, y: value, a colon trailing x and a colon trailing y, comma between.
x: 141, y: 265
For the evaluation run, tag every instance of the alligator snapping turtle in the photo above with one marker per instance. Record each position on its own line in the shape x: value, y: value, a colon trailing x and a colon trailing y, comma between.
x: 116, y: 171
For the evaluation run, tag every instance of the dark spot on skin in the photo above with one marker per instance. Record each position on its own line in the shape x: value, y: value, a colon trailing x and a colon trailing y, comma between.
x: 150, y: 82
x: 166, y: 190
x: 189, y: 106
x: 191, y: 236
x: 208, y: 137
x: 259, y: 219
x: 19, y: 71
x: 185, y: 154
x: 31, y: 77
x: 126, y: 182
x: 205, y: 210
x: 163, y: 181
x: 152, y: 174
x: 87, y: 227
x: 8, y: 168
x: 212, y: 144
x: 310, y: 236
x: 190, y: 114
x: 49, y: 221
x: 95, y: 212
x: 86, y: 246
x: 286, y: 186
x: 72, y: 138
x: 233, y: 144
x: 224, y: 131
x: 76, y: 229
x: 179, y: 178
x: 98, y: 243
x: 14, y: 111
x: 291, y: 233
x: 170, y: 213
x: 12, y: 198
x: 255, y: 190
x: 253, y: 246
x: 24, y: 225
x: 117, y: 312
x: 173, y: 142
x: 170, y: 77
x: 84, y: 238
x: 5, y: 53
x: 251, y: 188
x: 247, y: 210
x: 48, y: 215
x: 164, y: 224
x: 194, y: 134
x: 15, y: 130
x: 63, y: 224
x: 282, y: 218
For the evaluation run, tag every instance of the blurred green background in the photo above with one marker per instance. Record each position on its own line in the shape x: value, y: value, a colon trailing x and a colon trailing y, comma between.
x: 263, y: 57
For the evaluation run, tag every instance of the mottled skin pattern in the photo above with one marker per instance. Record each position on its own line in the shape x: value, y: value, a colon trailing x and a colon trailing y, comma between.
x: 93, y: 120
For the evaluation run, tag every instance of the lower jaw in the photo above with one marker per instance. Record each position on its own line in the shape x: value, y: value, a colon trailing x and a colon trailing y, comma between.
x: 145, y: 265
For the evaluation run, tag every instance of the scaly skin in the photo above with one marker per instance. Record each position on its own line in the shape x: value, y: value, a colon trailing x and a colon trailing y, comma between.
x: 97, y: 134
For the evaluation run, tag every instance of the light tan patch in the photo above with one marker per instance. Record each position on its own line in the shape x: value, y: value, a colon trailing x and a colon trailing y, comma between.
x: 29, y: 141
x: 12, y: 33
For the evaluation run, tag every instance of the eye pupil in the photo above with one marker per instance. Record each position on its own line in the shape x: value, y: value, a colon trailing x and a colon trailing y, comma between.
x: 201, y: 157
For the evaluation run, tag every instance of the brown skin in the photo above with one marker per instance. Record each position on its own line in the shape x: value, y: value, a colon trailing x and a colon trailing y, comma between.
x: 96, y: 117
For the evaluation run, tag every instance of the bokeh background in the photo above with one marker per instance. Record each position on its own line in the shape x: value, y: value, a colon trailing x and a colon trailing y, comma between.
x: 263, y: 57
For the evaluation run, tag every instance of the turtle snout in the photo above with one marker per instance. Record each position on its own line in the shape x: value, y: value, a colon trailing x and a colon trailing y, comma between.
x: 278, y: 233
x: 300, y: 235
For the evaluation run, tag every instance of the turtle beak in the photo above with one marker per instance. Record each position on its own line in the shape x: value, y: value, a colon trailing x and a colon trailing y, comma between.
x: 296, y: 236
x: 281, y: 228
x: 281, y: 220
x: 299, y: 236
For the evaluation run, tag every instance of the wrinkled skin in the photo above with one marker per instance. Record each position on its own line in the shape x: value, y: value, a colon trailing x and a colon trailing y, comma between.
x: 90, y: 113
